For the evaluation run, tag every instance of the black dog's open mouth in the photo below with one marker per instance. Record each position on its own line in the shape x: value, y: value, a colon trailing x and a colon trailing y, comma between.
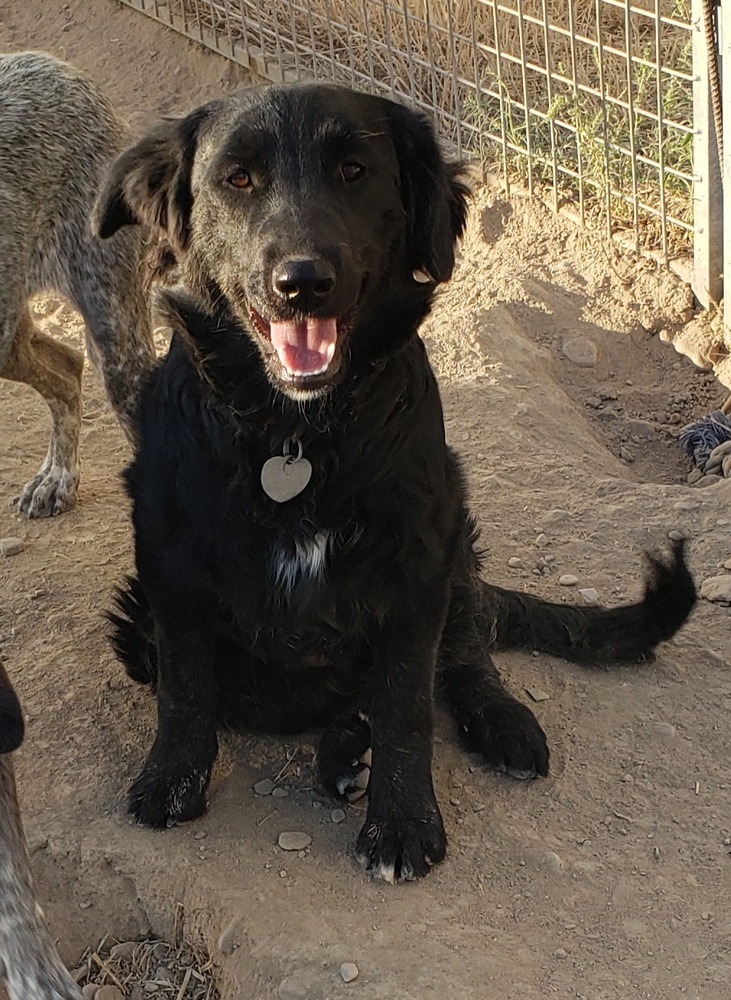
x: 305, y: 347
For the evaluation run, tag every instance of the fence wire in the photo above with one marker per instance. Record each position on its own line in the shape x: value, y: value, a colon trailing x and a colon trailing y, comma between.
x: 587, y: 102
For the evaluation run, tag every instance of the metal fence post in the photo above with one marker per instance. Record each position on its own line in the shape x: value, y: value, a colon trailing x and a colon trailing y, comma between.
x: 708, y: 237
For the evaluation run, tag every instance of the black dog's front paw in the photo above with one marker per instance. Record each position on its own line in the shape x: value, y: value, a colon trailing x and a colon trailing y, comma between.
x: 395, y: 847
x: 162, y: 796
x: 510, y: 738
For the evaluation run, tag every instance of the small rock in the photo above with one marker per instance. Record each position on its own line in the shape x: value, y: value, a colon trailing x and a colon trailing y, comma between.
x: 337, y: 815
x: 348, y: 972
x: 717, y: 588
x: 149, y: 988
x: 294, y: 841
x: 11, y: 546
x: 551, y: 862
x: 538, y: 695
x: 90, y: 991
x: 279, y: 792
x: 676, y: 536
x: 580, y: 351
x: 110, y: 993
x: 542, y: 540
x: 693, y: 477
x: 515, y: 563
x: 264, y: 787
x: 123, y: 951
x: 666, y: 729
x: 560, y: 953
x: 594, y: 402
x: 568, y: 580
x: 589, y: 596
x: 607, y: 413
x: 200, y: 835
x: 292, y: 989
x: 626, y: 455
x: 85, y: 905
x: 641, y: 429
x: 727, y: 564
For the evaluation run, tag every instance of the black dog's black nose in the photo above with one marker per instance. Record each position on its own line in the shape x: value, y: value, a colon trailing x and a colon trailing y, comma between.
x: 303, y: 282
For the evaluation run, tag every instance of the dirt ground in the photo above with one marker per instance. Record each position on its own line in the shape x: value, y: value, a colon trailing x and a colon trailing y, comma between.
x: 606, y: 881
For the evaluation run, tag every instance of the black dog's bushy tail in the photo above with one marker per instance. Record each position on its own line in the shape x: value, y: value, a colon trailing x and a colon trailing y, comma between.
x: 133, y: 637
x: 593, y: 634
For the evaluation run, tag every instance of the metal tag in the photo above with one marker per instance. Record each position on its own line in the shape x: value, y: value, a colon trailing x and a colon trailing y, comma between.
x: 284, y: 476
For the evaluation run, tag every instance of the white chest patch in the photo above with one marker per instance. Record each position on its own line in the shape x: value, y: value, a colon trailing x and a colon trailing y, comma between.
x: 304, y: 565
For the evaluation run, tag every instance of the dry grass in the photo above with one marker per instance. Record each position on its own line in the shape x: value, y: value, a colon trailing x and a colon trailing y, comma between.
x: 150, y: 969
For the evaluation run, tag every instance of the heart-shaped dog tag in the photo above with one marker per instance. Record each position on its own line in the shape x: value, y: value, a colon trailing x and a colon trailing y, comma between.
x: 284, y: 476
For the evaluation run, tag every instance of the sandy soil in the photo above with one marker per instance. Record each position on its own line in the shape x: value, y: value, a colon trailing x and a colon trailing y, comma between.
x: 607, y: 880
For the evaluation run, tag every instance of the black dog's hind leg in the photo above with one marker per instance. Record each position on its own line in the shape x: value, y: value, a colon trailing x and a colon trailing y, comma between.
x: 491, y: 721
x: 344, y: 756
x: 172, y: 785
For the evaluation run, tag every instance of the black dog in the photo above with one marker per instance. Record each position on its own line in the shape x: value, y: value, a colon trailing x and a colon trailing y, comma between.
x: 305, y: 557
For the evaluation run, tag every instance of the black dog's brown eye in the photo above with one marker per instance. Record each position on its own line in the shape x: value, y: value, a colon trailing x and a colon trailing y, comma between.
x: 239, y: 179
x: 351, y: 171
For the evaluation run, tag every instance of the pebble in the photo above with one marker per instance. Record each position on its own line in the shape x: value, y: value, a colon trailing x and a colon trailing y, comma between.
x: 568, y: 580
x: 641, y: 429
x: 110, y: 993
x: 515, y: 563
x: 727, y: 564
x: 200, y: 835
x: 150, y: 987
x: 589, y: 596
x: 676, y: 536
x: 123, y: 951
x: 693, y: 476
x: 538, y: 695
x: 709, y: 480
x: 337, y: 815
x: 580, y: 351
x: 717, y: 588
x: 348, y: 972
x: 11, y: 546
x: 626, y: 455
x: 560, y: 953
x: 551, y: 862
x: 264, y: 787
x: 279, y: 792
x: 90, y: 991
x: 294, y: 841
x: 607, y: 413
x: 594, y: 401
x: 292, y: 989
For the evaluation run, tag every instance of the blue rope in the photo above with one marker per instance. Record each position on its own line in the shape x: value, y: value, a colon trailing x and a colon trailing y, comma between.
x: 699, y: 438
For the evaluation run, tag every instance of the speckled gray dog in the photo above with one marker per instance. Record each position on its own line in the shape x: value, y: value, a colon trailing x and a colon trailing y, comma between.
x: 57, y: 135
x: 29, y: 964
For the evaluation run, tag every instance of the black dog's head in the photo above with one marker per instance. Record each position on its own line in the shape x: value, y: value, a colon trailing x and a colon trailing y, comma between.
x: 11, y: 716
x: 303, y: 207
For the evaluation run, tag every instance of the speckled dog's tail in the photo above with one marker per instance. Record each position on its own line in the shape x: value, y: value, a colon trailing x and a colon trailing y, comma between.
x: 133, y: 635
x: 593, y: 634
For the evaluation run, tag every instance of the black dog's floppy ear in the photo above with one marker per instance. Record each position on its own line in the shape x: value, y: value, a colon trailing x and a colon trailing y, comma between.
x: 12, y: 726
x: 434, y: 194
x: 150, y: 183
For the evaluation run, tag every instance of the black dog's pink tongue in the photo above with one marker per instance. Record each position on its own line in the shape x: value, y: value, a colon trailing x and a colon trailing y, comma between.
x: 306, y: 346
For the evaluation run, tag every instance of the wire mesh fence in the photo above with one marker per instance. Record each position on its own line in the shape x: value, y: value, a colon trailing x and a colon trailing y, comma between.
x: 587, y: 102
